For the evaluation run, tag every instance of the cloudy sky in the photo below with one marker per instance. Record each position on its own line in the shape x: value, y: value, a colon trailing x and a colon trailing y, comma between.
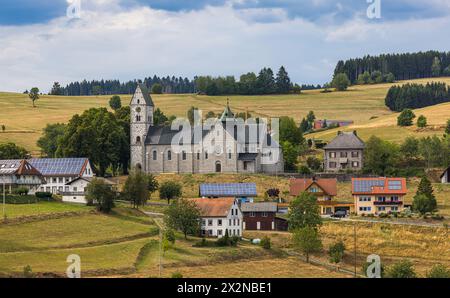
x: 131, y: 39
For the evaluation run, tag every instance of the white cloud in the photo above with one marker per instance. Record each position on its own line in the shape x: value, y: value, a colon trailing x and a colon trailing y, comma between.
x: 112, y: 43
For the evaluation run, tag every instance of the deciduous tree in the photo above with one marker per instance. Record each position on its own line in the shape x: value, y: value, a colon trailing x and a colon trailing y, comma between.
x: 183, y: 215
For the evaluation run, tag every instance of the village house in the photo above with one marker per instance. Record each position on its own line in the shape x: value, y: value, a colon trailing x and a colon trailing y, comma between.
x: 17, y: 174
x: 218, y: 216
x: 445, y: 177
x: 227, y: 146
x: 325, y: 190
x: 259, y: 216
x: 75, y: 190
x: 378, y: 195
x: 243, y: 192
x: 344, y: 153
x: 58, y: 172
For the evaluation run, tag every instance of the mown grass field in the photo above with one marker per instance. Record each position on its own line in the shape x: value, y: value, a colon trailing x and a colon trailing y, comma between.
x: 362, y: 104
x: 20, y: 210
x: 424, y: 246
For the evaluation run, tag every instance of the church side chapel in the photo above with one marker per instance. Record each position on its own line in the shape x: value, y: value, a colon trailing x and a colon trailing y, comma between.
x: 217, y: 150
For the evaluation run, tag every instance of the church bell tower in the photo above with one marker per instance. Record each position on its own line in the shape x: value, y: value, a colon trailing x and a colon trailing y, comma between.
x: 141, y: 117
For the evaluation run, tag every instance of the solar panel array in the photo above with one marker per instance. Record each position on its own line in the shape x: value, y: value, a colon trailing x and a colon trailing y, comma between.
x: 9, y: 166
x: 366, y: 185
x: 58, y: 166
x: 395, y: 185
x: 228, y: 190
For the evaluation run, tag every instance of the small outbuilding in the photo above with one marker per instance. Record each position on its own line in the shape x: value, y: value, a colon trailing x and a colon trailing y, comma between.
x: 445, y: 177
x: 259, y: 216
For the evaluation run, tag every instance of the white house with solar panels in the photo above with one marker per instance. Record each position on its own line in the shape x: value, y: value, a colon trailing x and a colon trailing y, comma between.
x: 58, y: 172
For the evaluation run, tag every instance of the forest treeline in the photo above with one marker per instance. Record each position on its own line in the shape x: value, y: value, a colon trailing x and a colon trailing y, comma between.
x: 108, y: 87
x: 265, y: 82
x: 415, y: 96
x: 404, y: 66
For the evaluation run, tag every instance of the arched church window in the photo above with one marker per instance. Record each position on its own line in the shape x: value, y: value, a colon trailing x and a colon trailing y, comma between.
x: 138, y: 139
x: 155, y: 155
x: 184, y: 155
x: 169, y: 155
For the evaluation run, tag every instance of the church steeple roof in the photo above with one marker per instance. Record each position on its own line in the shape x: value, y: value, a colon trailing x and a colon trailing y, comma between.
x: 146, y: 94
x: 227, y: 113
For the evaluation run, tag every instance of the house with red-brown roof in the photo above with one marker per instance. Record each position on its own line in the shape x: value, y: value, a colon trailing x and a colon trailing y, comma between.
x: 218, y: 216
x: 325, y: 189
x: 378, y: 195
x: 19, y: 173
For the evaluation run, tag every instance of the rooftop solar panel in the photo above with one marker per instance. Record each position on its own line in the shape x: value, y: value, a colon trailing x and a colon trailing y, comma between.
x: 58, y: 166
x: 366, y: 185
x: 228, y: 190
x: 395, y: 185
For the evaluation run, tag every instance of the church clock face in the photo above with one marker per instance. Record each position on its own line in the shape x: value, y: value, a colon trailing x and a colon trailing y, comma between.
x: 218, y: 150
x: 138, y: 109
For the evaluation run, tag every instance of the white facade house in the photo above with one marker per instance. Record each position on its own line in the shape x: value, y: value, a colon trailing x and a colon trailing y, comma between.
x: 445, y: 177
x: 57, y: 172
x: 219, y: 216
x: 76, y: 189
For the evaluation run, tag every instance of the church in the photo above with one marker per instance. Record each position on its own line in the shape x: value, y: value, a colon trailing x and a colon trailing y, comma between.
x: 226, y: 146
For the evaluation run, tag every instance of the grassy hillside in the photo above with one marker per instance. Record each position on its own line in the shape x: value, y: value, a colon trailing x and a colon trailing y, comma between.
x: 362, y: 104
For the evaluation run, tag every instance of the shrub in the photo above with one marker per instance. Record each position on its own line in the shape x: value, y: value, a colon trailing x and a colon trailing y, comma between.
x: 227, y: 240
x: 406, y: 118
x: 421, y: 121
x: 304, y: 170
x: 44, y: 195
x: 402, y: 269
x: 439, y: 271
x: 265, y: 243
x: 16, y: 199
x: 177, y: 275
x: 22, y: 191
x: 28, y: 272
x: 314, y: 163
x: 340, y: 82
x: 170, y: 236
x: 336, y: 252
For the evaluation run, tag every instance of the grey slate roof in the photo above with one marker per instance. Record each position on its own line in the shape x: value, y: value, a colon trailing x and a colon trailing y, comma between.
x: 259, y: 207
x: 146, y: 94
x: 346, y: 140
x: 163, y: 135
x: 247, y: 156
